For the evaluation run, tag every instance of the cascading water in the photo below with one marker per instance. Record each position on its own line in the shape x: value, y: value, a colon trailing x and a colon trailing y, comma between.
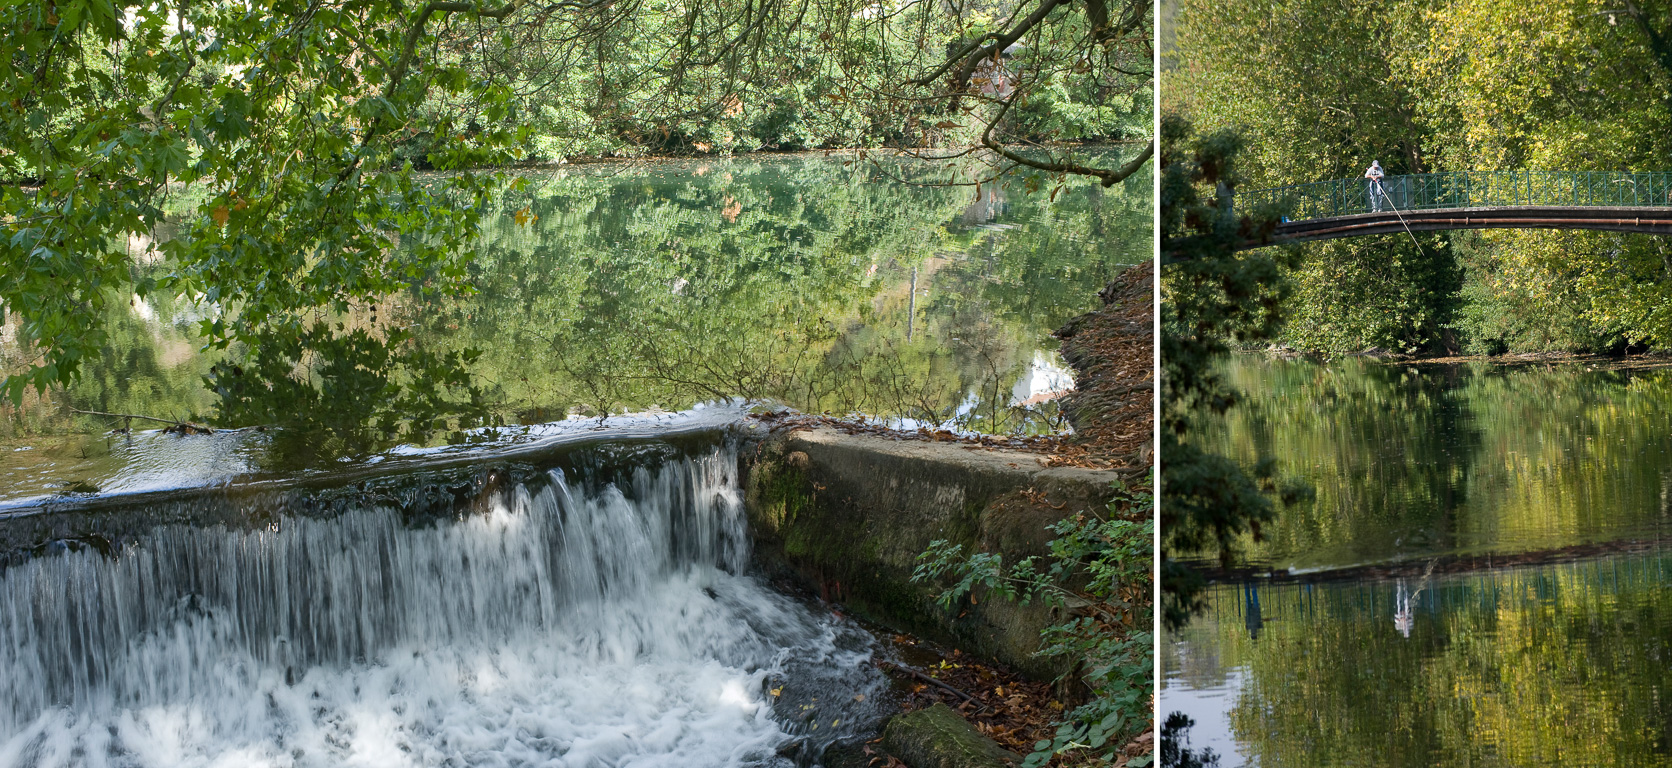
x: 561, y: 626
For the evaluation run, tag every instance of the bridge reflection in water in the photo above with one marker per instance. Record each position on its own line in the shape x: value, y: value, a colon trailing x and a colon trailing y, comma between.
x: 1371, y: 600
x: 1559, y: 664
x: 1596, y: 200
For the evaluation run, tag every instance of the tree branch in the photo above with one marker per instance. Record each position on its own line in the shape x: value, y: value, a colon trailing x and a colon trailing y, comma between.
x: 175, y: 422
x: 1657, y: 43
x: 1000, y: 42
x: 903, y: 669
x: 191, y: 62
x: 1005, y: 40
x: 1109, y: 177
x: 417, y: 30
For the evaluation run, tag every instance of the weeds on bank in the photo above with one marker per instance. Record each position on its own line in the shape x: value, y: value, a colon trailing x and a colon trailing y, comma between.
x: 1098, y: 576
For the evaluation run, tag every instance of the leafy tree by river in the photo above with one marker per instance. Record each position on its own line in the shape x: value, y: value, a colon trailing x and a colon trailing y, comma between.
x: 1210, y: 296
x: 1322, y: 88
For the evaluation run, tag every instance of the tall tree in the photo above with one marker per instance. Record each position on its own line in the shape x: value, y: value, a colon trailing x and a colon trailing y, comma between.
x: 1210, y: 295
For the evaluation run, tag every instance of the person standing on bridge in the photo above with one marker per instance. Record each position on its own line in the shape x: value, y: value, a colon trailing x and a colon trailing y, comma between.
x: 1374, y: 174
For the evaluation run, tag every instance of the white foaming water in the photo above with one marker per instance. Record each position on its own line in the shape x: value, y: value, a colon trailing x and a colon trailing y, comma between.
x: 557, y: 629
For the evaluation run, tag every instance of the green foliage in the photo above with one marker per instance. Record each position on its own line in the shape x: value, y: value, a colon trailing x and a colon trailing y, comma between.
x: 721, y: 77
x: 1503, y: 305
x: 1099, y: 573
x: 1320, y: 89
x: 298, y: 140
x: 1399, y: 296
x: 277, y: 122
x: 1211, y: 295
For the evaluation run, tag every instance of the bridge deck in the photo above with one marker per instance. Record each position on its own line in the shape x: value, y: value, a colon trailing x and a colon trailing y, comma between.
x: 1642, y: 219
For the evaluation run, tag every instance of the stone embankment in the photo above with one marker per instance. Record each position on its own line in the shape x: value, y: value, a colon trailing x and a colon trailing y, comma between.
x: 848, y: 512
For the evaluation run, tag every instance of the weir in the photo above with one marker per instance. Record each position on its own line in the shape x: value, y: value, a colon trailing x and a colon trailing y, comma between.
x: 587, y: 617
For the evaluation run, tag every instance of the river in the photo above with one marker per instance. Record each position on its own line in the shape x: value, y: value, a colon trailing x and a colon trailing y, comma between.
x: 543, y: 561
x: 818, y: 282
x: 1481, y: 579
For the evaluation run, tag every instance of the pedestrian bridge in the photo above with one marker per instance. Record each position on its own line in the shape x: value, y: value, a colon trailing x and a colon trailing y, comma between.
x: 1426, y: 202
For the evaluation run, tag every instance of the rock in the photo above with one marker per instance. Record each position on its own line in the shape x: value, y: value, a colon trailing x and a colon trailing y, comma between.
x: 852, y: 754
x: 938, y: 738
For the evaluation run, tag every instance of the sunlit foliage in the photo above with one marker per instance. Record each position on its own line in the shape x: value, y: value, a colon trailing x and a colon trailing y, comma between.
x: 1321, y: 89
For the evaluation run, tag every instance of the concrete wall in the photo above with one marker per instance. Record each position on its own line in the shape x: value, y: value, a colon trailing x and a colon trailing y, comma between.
x: 849, y: 514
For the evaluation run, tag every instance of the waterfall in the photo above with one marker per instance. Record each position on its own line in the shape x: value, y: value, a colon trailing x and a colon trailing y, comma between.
x: 559, y: 626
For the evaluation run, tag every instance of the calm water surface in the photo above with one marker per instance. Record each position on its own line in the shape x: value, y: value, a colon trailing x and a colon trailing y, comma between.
x: 1481, y: 579
x: 632, y: 289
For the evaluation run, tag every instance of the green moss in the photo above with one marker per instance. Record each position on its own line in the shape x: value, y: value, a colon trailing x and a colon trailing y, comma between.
x: 777, y: 494
x: 938, y: 738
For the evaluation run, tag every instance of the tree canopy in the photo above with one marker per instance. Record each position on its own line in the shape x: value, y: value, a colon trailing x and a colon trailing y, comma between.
x: 1320, y: 90
x: 1211, y: 295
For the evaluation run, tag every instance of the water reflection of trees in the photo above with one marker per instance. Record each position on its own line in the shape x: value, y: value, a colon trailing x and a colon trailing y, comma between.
x: 820, y: 289
x: 658, y: 286
x: 1175, y: 745
x: 1543, y: 666
x: 148, y: 366
x: 1408, y: 461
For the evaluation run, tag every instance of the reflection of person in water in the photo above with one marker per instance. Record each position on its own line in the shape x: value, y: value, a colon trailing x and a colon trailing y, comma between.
x: 1251, y: 613
x: 1402, y: 614
x: 1404, y: 602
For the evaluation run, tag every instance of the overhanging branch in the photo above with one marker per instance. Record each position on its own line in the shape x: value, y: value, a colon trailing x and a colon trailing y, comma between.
x: 1108, y: 176
x: 417, y: 31
x: 969, y: 61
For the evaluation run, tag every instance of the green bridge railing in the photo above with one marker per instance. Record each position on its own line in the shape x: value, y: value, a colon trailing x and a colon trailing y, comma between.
x: 1465, y: 189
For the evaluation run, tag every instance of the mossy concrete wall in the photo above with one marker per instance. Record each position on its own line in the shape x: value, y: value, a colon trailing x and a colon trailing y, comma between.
x: 849, y: 515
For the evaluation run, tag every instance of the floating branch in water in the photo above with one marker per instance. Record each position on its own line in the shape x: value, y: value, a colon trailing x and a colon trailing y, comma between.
x: 181, y: 427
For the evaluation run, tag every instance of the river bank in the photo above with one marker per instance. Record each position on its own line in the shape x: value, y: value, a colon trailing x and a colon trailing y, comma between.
x: 846, y: 509
x: 877, y: 152
x: 1597, y: 361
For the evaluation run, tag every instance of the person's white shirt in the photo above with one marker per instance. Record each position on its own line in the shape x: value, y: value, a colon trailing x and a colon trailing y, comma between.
x: 1374, y: 175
